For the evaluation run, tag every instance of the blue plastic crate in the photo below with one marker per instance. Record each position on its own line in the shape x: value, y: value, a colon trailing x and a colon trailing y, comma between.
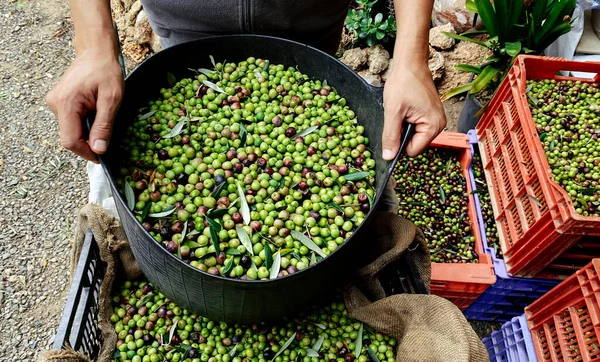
x: 512, y: 343
x: 508, y: 297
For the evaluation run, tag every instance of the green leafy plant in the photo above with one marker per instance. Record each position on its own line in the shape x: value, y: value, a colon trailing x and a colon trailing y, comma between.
x: 512, y: 29
x: 368, y: 27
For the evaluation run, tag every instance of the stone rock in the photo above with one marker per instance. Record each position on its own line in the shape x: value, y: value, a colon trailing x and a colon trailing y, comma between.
x: 379, y: 59
x: 436, y: 65
x: 133, y: 12
x: 372, y: 79
x: 385, y: 75
x: 439, y: 40
x: 355, y: 58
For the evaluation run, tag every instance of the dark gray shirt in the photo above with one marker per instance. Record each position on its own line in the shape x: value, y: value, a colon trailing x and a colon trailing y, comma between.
x: 314, y: 22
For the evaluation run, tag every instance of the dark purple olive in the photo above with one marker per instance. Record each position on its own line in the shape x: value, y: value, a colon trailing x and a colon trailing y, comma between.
x: 147, y: 338
x: 219, y: 179
x: 268, y: 354
x: 290, y: 132
x: 245, y: 261
x: 237, y: 217
x: 261, y: 162
x: 193, y: 353
x: 177, y: 226
x: 181, y: 178
x: 172, y: 246
x: 161, y: 312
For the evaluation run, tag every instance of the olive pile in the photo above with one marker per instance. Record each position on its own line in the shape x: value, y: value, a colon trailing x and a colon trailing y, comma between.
x: 249, y: 170
x: 567, y: 117
x: 491, y: 233
x: 151, y: 328
x: 432, y: 193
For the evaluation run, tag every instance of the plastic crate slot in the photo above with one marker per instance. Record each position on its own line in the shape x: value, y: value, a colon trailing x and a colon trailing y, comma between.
x: 587, y: 335
x: 567, y: 337
x: 553, y: 342
x: 512, y: 112
x: 526, y: 162
x: 502, y: 122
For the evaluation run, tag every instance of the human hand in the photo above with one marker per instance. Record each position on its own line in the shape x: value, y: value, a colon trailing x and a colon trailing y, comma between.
x: 410, y: 96
x: 94, y: 82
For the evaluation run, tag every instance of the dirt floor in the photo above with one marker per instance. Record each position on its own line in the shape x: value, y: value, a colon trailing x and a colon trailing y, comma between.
x: 41, y: 185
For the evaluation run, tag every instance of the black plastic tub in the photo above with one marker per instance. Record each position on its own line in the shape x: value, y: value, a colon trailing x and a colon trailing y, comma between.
x: 216, y: 297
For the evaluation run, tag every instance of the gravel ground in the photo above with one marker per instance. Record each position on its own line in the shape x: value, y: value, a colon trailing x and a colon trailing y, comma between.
x: 41, y: 185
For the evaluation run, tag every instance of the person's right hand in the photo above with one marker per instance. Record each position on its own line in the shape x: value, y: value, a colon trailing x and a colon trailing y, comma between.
x: 94, y: 82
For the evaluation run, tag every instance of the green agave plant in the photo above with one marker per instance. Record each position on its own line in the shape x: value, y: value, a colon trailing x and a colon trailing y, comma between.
x: 512, y: 29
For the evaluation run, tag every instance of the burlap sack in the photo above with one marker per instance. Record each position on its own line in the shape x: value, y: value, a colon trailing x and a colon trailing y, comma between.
x: 427, y: 328
x: 115, y: 254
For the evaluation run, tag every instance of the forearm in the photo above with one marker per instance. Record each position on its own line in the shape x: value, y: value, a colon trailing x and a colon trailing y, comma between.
x: 413, y: 18
x: 93, y: 27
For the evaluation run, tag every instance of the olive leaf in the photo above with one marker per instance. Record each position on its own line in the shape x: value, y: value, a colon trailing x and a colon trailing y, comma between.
x: 213, y: 86
x: 207, y: 72
x: 217, y: 213
x: 285, y: 346
x: 359, y: 341
x: 583, y: 203
x: 311, y: 353
x: 233, y: 350
x: 212, y: 61
x: 313, y: 259
x: 217, y: 191
x: 228, y: 266
x: 184, y: 232
x: 172, y: 331
x: 551, y: 146
x: 147, y: 298
x: 193, y: 244
x: 257, y: 74
x: 266, y: 67
x: 183, y: 349
x: 319, y: 343
x: 372, y: 355
x: 116, y: 354
x: 371, y: 202
x: 589, y: 191
x: 268, y: 257
x: 213, y: 224
x: 306, y: 131
x: 147, y: 115
x: 163, y: 213
x: 243, y: 134
x: 171, y: 79
x: 129, y: 195
x: 276, y: 265
x: 535, y: 200
x: 324, y: 83
x: 335, y: 206
x: 177, y: 129
x: 281, y: 183
x: 442, y: 195
x: 244, y: 239
x: 233, y: 251
x: 543, y: 136
x: 244, y: 209
x: 308, y: 243
x: 357, y: 176
x: 214, y: 229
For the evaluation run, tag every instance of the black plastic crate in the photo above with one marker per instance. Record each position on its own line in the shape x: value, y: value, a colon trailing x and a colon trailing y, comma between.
x: 78, y: 328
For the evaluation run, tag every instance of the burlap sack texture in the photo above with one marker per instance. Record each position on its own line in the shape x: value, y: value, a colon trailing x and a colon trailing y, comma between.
x: 427, y: 328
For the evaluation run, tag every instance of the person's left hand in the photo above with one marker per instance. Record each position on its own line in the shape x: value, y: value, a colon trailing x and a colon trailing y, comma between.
x: 410, y: 96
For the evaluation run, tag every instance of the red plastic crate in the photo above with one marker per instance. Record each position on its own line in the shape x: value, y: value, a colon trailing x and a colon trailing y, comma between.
x: 462, y: 283
x: 565, y: 323
x: 536, y: 219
